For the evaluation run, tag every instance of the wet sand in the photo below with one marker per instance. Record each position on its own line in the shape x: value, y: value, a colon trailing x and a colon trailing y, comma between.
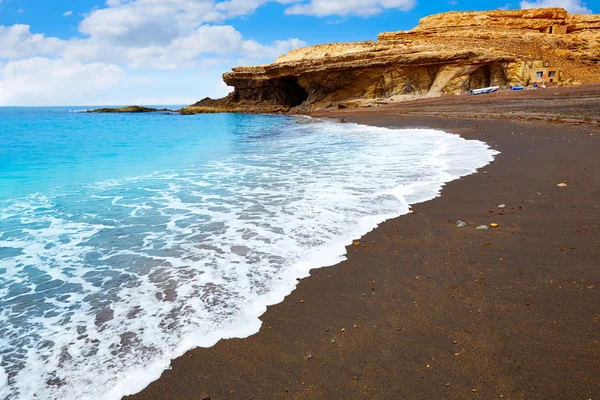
x: 425, y: 310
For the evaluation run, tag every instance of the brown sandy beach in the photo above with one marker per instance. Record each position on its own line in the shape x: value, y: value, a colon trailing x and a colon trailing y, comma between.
x: 425, y: 310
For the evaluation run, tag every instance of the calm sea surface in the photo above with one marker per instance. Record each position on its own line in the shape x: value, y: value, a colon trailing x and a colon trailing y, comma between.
x: 127, y: 239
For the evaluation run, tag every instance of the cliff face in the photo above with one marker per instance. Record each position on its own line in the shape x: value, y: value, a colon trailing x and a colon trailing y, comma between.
x: 446, y: 54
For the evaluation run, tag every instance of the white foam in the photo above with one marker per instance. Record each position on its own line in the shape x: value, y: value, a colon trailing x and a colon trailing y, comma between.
x: 182, y: 259
x: 3, y: 380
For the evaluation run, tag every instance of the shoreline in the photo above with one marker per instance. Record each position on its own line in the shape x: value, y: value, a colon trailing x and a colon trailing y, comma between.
x: 461, y: 294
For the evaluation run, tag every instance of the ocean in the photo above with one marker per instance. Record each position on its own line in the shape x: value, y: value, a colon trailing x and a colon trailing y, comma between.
x: 128, y: 239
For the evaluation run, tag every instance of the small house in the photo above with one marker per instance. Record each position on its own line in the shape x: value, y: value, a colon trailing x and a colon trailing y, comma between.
x: 546, y: 75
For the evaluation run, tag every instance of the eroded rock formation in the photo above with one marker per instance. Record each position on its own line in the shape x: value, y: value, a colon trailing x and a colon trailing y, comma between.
x: 446, y: 54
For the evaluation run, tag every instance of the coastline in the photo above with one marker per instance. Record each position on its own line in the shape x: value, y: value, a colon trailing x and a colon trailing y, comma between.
x: 507, y: 302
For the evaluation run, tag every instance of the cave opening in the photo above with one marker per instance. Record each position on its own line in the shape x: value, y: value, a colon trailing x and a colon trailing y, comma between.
x: 480, y: 78
x: 290, y: 92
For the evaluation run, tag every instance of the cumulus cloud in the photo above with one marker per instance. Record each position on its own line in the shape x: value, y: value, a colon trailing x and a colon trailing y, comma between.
x: 41, y: 81
x: 572, y: 6
x: 17, y: 41
x: 46, y: 70
x: 158, y: 22
x: 207, y: 41
x: 363, y: 8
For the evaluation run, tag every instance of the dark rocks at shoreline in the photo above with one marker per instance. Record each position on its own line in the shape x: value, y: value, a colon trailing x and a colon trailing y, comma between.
x: 130, y: 109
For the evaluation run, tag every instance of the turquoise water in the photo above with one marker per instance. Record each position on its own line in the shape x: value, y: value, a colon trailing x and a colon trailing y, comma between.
x: 127, y: 239
x: 41, y: 148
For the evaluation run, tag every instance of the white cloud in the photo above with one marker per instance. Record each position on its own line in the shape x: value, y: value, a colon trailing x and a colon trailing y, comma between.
x: 17, y: 41
x: 46, y: 70
x: 67, y: 13
x: 43, y: 81
x: 206, y: 41
x: 158, y: 22
x: 363, y: 8
x: 572, y: 6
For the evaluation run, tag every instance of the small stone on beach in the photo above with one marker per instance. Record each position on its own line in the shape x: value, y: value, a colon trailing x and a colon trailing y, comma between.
x: 481, y: 227
x: 501, y: 205
x: 461, y: 224
x: 562, y: 185
x: 309, y: 356
x: 356, y: 243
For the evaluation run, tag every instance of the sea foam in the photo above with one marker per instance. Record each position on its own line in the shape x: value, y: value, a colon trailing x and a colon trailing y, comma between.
x: 102, y: 285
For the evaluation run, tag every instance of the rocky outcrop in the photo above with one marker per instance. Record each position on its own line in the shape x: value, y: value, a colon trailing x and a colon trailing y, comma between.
x: 129, y: 109
x: 446, y: 54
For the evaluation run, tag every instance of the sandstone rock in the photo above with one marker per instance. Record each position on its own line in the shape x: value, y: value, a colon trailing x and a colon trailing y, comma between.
x: 446, y: 54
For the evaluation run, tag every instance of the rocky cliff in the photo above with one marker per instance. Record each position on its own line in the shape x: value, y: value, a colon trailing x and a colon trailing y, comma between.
x: 446, y: 54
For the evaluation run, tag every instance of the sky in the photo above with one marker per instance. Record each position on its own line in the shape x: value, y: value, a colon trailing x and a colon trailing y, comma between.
x: 154, y: 52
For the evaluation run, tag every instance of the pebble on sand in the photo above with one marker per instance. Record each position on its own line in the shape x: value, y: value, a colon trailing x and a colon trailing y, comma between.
x: 481, y: 227
x: 494, y: 225
x: 501, y: 205
x: 461, y: 224
x: 562, y: 185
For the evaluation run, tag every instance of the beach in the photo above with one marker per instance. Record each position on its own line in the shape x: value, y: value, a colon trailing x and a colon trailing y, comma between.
x: 423, y: 309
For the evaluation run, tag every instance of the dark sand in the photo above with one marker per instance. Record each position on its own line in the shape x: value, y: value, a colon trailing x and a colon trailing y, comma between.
x: 425, y: 310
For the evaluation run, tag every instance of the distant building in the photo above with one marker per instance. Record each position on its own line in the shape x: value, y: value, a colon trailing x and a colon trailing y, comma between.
x: 547, y: 75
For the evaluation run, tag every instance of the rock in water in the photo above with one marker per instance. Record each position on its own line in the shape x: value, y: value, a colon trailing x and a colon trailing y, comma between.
x: 461, y: 224
x: 128, y: 109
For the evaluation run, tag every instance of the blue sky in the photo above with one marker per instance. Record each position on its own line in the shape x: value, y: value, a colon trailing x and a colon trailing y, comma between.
x: 87, y: 52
